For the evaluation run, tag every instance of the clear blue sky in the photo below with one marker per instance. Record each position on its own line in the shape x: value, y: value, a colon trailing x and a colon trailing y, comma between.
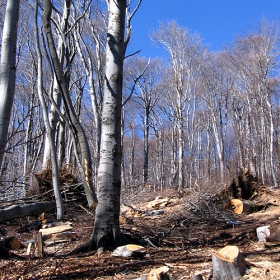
x: 217, y: 21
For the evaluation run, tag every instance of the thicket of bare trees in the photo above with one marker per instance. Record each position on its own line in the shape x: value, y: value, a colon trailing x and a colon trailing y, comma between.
x: 193, y: 118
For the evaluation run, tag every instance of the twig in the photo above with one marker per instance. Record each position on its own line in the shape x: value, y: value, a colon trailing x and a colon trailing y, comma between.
x: 150, y: 242
x: 86, y: 210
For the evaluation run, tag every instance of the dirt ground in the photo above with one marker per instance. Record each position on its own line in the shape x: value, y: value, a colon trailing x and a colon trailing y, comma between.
x: 183, y: 237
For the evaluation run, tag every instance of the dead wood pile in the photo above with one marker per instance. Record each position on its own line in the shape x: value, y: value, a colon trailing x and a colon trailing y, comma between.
x: 67, y: 176
x: 71, y: 188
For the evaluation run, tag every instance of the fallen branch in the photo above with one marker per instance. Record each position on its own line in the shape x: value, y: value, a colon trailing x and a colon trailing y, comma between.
x: 19, y: 211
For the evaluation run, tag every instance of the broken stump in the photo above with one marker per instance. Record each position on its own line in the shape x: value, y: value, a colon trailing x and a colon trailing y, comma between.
x: 228, y: 264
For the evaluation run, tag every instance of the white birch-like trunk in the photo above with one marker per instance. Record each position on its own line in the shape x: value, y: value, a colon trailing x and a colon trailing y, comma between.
x: 8, y: 70
x: 219, y: 147
x: 271, y: 149
x: 53, y: 119
x: 180, y: 153
x: 106, y: 225
x: 55, y: 174
x: 85, y: 163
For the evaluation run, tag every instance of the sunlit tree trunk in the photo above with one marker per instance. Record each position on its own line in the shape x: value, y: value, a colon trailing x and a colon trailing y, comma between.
x: 55, y: 174
x: 106, y: 226
x: 76, y: 127
x: 271, y: 149
x: 8, y: 70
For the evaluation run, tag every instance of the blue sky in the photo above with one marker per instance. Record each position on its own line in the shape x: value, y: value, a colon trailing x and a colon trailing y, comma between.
x: 217, y: 21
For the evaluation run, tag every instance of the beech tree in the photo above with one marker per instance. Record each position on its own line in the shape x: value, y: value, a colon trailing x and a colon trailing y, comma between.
x: 106, y: 225
x: 85, y: 162
x: 147, y: 94
x: 184, y: 48
x: 55, y: 176
x: 8, y: 70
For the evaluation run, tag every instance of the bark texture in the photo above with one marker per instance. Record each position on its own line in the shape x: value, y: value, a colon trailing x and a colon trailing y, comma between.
x: 106, y: 227
x: 19, y: 211
x: 77, y: 129
x: 8, y: 69
x: 50, y: 138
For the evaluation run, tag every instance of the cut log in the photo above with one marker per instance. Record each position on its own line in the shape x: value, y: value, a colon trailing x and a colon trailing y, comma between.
x: 38, y: 245
x: 159, y: 203
x: 44, y: 216
x: 228, y: 264
x: 60, y: 237
x: 63, y: 235
x: 19, y: 211
x: 159, y: 274
x: 51, y: 230
x: 11, y: 243
x: 239, y: 207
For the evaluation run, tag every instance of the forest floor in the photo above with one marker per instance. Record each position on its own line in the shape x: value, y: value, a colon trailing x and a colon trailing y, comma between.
x: 182, y: 238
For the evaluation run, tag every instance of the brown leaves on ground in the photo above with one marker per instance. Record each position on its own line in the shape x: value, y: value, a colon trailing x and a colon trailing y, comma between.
x: 181, y: 237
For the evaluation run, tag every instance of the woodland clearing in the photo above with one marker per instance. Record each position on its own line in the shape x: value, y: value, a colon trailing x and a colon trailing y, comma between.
x: 182, y: 237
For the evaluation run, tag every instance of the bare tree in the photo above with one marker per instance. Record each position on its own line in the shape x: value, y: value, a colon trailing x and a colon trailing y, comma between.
x: 146, y: 96
x: 106, y: 225
x: 55, y: 175
x: 184, y: 48
x: 75, y: 125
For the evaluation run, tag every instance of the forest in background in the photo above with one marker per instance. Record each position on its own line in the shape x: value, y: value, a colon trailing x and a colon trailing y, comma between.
x: 192, y: 118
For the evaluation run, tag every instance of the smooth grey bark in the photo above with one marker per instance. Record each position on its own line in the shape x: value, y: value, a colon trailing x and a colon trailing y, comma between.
x: 96, y: 95
x: 19, y: 211
x: 106, y: 226
x: 75, y: 125
x: 55, y: 173
x: 271, y: 147
x: 8, y: 70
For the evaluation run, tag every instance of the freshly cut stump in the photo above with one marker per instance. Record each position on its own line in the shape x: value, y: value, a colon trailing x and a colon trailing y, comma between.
x: 228, y: 264
x: 238, y: 206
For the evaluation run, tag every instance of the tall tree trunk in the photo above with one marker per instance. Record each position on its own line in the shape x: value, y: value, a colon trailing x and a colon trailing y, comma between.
x: 8, y: 70
x: 146, y: 145
x: 55, y: 175
x: 271, y: 150
x: 77, y: 129
x: 106, y: 226
x: 180, y: 152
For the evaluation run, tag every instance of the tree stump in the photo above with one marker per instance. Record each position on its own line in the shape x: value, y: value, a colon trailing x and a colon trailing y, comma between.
x: 228, y: 264
x: 274, y: 238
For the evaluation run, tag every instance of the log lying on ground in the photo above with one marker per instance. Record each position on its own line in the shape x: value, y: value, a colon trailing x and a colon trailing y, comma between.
x: 228, y: 263
x: 19, y: 211
x: 56, y: 229
x: 9, y: 243
x: 238, y: 206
